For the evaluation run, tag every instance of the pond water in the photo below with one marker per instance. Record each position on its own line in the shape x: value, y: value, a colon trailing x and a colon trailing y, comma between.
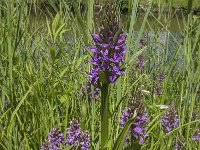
x: 163, y: 36
x: 175, y: 24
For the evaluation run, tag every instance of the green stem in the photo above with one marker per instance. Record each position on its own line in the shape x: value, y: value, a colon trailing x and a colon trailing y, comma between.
x: 104, y: 115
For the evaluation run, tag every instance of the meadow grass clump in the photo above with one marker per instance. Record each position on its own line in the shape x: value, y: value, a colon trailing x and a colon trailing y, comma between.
x: 91, y: 80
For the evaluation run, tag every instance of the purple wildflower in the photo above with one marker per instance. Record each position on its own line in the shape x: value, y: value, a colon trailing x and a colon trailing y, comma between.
x: 55, y: 139
x: 76, y: 137
x: 196, y: 136
x: 138, y: 127
x: 109, y: 51
x: 73, y: 134
x: 85, y: 141
x: 126, y: 115
x: 170, y: 121
x: 94, y: 75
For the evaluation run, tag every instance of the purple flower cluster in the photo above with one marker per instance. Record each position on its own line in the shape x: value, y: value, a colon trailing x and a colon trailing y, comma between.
x: 73, y: 133
x: 138, y: 127
x: 55, y: 139
x: 126, y: 115
x: 85, y: 141
x: 108, y: 54
x: 77, y: 137
x: 170, y: 120
x: 196, y: 136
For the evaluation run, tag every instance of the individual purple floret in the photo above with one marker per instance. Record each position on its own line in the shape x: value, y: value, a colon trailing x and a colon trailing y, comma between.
x: 126, y: 115
x: 170, y: 121
x: 109, y: 51
x: 138, y: 127
x: 76, y: 137
x: 55, y: 139
x: 196, y: 136
x: 94, y: 75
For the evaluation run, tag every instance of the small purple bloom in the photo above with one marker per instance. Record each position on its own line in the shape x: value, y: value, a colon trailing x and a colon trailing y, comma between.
x: 97, y: 38
x: 76, y: 137
x: 138, y: 127
x: 126, y: 115
x: 138, y: 130
x: 73, y: 134
x: 85, y: 141
x: 170, y: 120
x: 55, y: 139
x: 94, y: 49
x: 94, y: 75
x: 196, y: 136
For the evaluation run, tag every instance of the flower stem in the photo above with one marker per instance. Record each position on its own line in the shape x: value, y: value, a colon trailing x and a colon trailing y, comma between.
x: 104, y: 115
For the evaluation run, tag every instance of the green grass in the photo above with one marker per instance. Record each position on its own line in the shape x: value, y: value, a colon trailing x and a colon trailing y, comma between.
x: 174, y: 3
x: 44, y: 64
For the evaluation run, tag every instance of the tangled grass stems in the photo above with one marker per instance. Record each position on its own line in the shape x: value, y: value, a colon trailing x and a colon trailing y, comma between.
x: 43, y: 65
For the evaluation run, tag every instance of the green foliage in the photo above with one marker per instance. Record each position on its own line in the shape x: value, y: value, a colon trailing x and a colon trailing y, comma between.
x: 44, y: 64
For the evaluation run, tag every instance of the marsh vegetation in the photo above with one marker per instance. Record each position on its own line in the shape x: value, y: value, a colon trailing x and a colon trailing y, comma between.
x: 84, y: 75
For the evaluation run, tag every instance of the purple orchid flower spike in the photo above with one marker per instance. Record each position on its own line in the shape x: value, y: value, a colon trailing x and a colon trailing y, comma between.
x: 138, y: 128
x: 76, y: 137
x: 170, y: 120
